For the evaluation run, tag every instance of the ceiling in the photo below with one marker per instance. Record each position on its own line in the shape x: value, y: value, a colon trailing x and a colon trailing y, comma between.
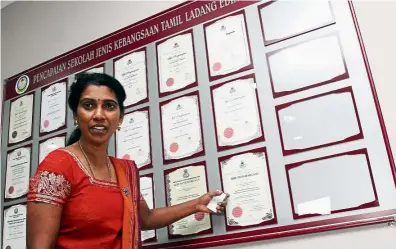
x: 5, y: 3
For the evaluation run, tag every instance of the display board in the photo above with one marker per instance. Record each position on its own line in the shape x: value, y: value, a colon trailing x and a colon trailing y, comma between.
x: 270, y: 101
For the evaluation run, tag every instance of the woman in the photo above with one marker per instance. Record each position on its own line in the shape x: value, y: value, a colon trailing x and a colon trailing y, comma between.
x: 82, y: 198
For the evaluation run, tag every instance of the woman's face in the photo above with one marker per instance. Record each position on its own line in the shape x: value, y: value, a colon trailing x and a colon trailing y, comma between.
x: 98, y: 114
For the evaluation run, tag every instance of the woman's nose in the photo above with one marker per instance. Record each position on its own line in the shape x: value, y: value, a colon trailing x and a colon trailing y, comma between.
x: 98, y: 114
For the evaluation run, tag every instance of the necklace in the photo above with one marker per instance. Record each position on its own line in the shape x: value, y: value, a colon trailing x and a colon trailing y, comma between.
x: 89, y: 163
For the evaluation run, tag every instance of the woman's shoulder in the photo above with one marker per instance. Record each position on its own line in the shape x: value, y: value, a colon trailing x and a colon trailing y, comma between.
x: 59, y: 160
x: 58, y: 155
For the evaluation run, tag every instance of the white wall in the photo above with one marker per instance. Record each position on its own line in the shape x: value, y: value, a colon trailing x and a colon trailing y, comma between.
x: 33, y: 32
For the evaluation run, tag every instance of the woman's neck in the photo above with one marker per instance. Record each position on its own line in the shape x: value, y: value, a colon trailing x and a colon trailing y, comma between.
x: 96, y: 153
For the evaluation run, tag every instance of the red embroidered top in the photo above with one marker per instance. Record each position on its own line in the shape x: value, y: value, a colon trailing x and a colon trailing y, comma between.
x: 92, y: 209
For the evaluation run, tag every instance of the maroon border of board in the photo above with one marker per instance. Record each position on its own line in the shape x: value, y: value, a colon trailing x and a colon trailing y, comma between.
x: 198, y: 154
x: 150, y: 165
x: 371, y: 204
x: 283, y: 231
x: 264, y: 223
x: 348, y: 139
x: 3, y: 219
x: 256, y: 140
x: 374, y: 92
x: 340, y: 77
x: 64, y: 134
x: 248, y: 67
x: 270, y: 42
x: 180, y: 9
x: 151, y: 175
x: 41, y: 105
x: 9, y: 120
x: 166, y: 172
x: 30, y: 146
x: 192, y: 85
x: 145, y: 62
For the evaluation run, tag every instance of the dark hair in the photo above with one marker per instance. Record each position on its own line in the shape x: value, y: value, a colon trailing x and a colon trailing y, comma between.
x: 97, y: 79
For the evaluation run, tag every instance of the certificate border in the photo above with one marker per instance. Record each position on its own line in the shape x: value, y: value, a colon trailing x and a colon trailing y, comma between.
x: 150, y: 165
x: 270, y: 42
x: 348, y: 139
x: 340, y: 77
x: 248, y: 67
x: 167, y: 172
x: 192, y: 85
x: 198, y: 154
x: 374, y: 203
x: 5, y: 200
x: 9, y: 121
x: 46, y: 139
x: 66, y: 112
x: 151, y: 175
x: 3, y: 219
x: 256, y: 140
x: 144, y: 49
x: 102, y: 64
x: 96, y: 66
x: 264, y: 223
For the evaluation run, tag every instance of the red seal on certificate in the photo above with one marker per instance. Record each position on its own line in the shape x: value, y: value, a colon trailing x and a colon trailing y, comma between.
x: 126, y: 157
x: 228, y: 132
x: 170, y: 82
x: 8, y: 247
x: 237, y: 212
x: 46, y: 123
x: 199, y: 216
x: 11, y: 190
x: 174, y: 147
x: 216, y: 66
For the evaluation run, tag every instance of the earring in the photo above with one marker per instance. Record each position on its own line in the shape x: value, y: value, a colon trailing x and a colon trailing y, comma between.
x: 119, y: 127
x: 75, y: 123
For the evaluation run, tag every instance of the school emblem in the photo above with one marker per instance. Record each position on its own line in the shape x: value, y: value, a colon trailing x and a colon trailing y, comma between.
x: 22, y: 84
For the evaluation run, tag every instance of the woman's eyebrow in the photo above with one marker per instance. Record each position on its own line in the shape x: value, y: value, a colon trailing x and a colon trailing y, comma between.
x: 97, y: 100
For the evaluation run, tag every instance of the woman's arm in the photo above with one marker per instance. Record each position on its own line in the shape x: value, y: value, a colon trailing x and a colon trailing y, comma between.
x: 161, y: 217
x: 43, y: 221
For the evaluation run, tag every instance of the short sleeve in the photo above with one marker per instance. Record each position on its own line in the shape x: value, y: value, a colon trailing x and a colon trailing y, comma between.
x: 52, y: 181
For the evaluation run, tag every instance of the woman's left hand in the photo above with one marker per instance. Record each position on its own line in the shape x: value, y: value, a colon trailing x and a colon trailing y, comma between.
x: 204, y: 200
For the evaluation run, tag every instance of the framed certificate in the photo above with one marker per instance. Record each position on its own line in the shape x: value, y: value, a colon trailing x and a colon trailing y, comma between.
x: 147, y: 190
x: 14, y: 227
x: 313, y: 191
x: 246, y: 177
x: 176, y: 63
x: 181, y: 128
x: 184, y: 184
x: 133, y: 139
x: 281, y: 20
x: 21, y: 119
x: 131, y: 71
x: 227, y: 46
x: 318, y: 121
x: 53, y: 112
x: 96, y: 69
x: 51, y: 144
x: 323, y: 61
x: 236, y: 112
x: 19, y: 162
